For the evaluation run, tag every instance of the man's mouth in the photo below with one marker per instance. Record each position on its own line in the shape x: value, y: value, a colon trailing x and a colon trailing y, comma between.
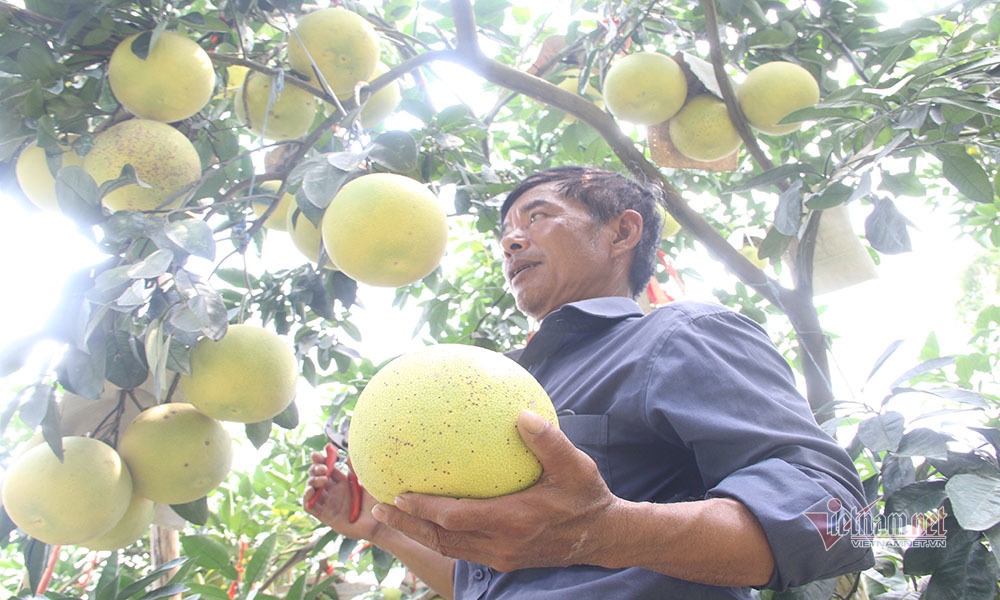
x: 520, y: 269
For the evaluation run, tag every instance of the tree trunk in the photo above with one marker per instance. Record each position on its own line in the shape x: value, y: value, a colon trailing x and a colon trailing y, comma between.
x: 166, y: 547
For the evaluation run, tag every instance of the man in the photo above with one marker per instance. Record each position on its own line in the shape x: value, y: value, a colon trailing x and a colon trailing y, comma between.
x: 686, y: 464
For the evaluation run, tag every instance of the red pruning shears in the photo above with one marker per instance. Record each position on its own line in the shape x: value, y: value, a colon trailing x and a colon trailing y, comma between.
x: 336, y: 446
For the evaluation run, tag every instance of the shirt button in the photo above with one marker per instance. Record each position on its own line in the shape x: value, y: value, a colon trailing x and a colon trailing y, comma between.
x: 478, y: 574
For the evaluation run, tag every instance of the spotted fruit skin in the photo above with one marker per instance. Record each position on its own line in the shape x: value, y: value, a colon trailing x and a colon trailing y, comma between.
x: 443, y: 420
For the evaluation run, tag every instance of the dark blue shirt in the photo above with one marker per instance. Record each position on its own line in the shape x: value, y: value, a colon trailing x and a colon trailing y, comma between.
x: 689, y: 402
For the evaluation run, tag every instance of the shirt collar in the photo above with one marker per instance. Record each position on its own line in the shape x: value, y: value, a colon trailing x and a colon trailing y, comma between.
x: 611, y: 307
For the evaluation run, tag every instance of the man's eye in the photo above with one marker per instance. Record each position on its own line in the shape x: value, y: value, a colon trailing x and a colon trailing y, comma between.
x: 534, y: 217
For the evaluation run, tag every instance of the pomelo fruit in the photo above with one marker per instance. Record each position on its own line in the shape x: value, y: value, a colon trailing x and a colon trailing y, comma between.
x: 645, y: 88
x: 306, y: 237
x: 248, y: 376
x: 289, y: 116
x: 772, y: 91
x: 571, y: 83
x: 385, y: 230
x: 442, y: 420
x: 133, y: 525
x: 342, y: 45
x: 174, y: 81
x: 176, y: 453
x: 163, y: 159
x: 380, y: 105
x: 703, y: 131
x: 67, y: 502
x: 36, y: 176
x: 278, y: 219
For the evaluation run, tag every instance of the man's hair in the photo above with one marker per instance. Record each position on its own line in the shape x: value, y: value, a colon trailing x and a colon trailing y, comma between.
x: 606, y: 194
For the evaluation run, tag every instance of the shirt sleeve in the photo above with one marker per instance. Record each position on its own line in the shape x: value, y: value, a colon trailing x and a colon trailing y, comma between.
x: 720, y: 388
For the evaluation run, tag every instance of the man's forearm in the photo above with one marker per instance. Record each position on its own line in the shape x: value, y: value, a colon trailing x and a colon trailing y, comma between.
x: 432, y: 568
x: 716, y: 541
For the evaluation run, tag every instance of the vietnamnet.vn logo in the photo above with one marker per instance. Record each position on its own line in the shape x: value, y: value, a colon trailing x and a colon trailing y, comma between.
x: 865, y: 529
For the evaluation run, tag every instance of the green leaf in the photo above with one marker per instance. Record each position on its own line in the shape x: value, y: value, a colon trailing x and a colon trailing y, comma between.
x: 834, y: 195
x: 396, y: 151
x: 151, y: 577
x: 141, y: 45
x: 966, y: 174
x: 788, y: 214
x: 171, y: 589
x: 886, y: 228
x: 207, y: 552
x: 78, y: 195
x: 195, y: 511
x: 110, y: 579
x: 968, y: 572
x: 126, y: 361
x: 259, y: 562
x: 924, y: 442
x: 194, y: 236
x: 288, y: 418
x: 975, y: 499
x: 152, y: 266
x: 258, y: 433
x: 916, y: 498
x: 882, y: 432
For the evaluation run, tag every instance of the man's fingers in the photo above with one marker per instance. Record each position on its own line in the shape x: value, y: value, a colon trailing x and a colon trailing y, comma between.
x: 547, y: 442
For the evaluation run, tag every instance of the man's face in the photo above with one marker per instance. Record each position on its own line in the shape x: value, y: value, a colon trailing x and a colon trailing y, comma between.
x: 555, y: 253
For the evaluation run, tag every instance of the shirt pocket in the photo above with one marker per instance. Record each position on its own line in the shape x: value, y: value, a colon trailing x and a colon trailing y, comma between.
x: 590, y: 434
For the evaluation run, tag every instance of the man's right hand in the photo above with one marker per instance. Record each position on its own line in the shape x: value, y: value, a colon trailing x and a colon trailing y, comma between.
x: 329, y: 497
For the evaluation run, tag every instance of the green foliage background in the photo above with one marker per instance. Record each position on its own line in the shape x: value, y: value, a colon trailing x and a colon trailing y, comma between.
x: 908, y: 115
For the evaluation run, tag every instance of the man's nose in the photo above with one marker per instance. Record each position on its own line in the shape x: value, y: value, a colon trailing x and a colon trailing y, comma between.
x: 513, y: 240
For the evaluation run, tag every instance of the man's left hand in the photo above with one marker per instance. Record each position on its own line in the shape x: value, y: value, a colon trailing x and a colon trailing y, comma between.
x: 561, y: 520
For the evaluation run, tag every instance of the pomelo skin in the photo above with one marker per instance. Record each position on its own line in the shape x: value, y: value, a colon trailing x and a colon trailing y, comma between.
x: 248, y: 376
x: 175, y: 453
x: 67, y: 502
x: 443, y: 420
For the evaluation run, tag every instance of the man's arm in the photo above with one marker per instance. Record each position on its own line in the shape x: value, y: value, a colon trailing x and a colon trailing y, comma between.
x: 571, y: 517
x: 333, y: 507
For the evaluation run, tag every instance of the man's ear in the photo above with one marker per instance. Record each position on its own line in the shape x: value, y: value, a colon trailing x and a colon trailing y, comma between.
x: 628, y: 231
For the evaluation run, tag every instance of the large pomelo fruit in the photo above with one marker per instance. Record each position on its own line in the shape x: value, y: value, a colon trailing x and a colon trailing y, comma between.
x: 67, y: 502
x: 164, y: 160
x: 385, y: 229
x: 176, y: 453
x: 248, y: 376
x: 341, y: 44
x: 35, y: 176
x: 645, y: 88
x: 174, y: 80
x: 774, y: 90
x: 130, y: 528
x: 443, y: 420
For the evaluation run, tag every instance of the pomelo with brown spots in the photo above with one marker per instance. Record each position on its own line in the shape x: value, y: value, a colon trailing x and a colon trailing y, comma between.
x: 442, y: 420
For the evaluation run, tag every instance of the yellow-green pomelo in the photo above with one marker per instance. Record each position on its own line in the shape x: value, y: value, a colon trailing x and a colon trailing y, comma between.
x: 289, y: 116
x: 443, y: 420
x: 670, y: 224
x: 176, y: 453
x: 385, y: 229
x: 703, y: 131
x: 342, y: 44
x: 36, y: 177
x: 571, y: 83
x: 248, y: 376
x: 164, y: 160
x: 380, y: 105
x: 174, y: 81
x: 774, y: 90
x: 645, y: 88
x: 133, y: 525
x: 306, y: 237
x: 278, y: 219
x: 67, y: 502
x: 752, y: 253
